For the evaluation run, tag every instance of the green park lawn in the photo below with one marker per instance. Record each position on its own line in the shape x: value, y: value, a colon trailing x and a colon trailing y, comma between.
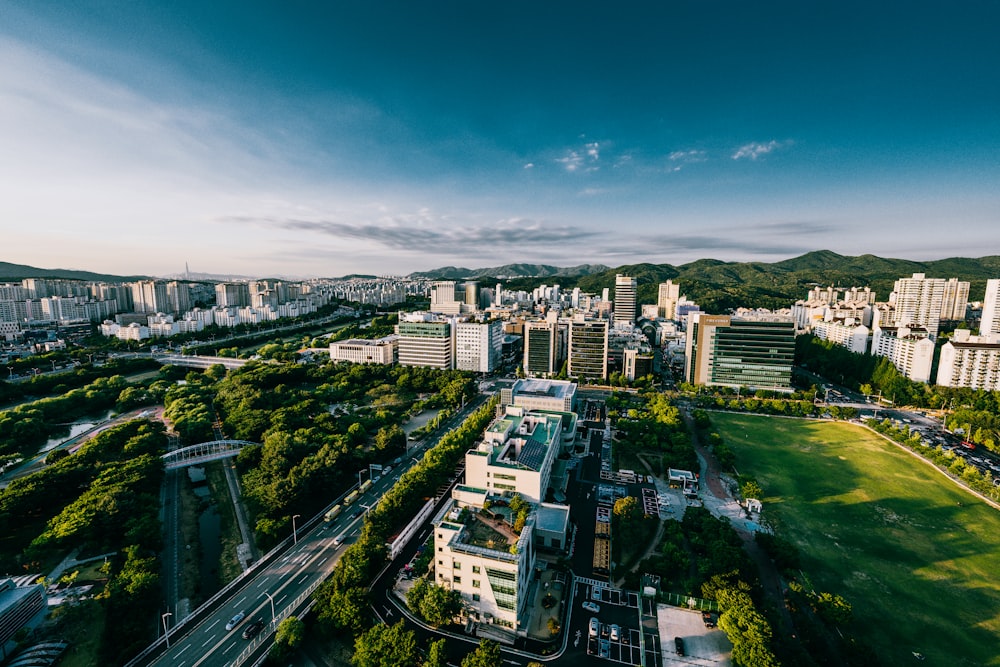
x: 917, y: 556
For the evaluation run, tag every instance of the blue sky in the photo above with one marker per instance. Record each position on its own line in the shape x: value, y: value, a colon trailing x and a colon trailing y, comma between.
x: 325, y: 138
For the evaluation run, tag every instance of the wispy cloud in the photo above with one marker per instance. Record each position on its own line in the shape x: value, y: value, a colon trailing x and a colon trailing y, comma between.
x: 692, y: 155
x: 754, y: 150
x: 583, y: 159
x: 529, y: 165
x: 424, y: 232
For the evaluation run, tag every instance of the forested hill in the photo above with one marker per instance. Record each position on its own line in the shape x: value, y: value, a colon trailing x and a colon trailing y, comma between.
x: 13, y: 272
x: 718, y: 286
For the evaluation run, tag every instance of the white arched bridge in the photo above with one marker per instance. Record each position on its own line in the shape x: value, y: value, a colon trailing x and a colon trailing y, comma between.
x: 204, y: 452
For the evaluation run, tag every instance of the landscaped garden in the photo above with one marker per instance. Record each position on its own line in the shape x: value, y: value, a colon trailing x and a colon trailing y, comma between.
x: 917, y: 556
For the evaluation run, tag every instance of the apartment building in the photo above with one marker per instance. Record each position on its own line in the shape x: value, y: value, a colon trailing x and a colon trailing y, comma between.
x: 970, y: 361
x: 846, y: 333
x: 911, y: 350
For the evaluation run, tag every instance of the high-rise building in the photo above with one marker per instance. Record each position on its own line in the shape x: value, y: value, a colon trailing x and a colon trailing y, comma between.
x: 990, y: 324
x: 472, y: 294
x: 824, y: 294
x: 232, y: 295
x: 444, y: 298
x: 955, y: 301
x: 149, y: 296
x: 666, y: 301
x: 970, y: 361
x: 625, y: 296
x: 427, y: 343
x: 920, y: 302
x: 588, y: 349
x: 178, y: 297
x: 726, y: 351
x: 911, y: 350
x: 541, y: 348
x: 478, y: 346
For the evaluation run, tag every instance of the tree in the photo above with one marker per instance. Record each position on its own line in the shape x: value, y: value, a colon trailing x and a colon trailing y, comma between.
x: 487, y: 654
x: 751, y: 489
x: 437, y: 654
x: 386, y: 646
x: 436, y: 604
x: 287, y: 638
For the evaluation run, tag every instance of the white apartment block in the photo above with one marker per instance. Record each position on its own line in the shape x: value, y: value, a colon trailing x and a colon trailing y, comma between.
x: 920, y: 302
x: 361, y: 351
x: 910, y: 350
x: 844, y: 333
x: 955, y: 301
x: 478, y: 346
x: 970, y: 361
x: 990, y: 325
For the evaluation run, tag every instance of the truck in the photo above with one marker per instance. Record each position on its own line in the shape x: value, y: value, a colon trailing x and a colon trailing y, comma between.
x: 332, y: 513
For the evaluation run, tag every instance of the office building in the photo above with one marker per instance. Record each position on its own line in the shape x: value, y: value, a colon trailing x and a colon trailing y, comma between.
x: 588, y: 349
x: 538, y: 395
x: 970, y: 361
x: 425, y: 342
x: 722, y: 350
x: 444, y: 298
x: 666, y: 300
x: 478, y: 346
x: 911, y: 350
x: 625, y: 299
x: 636, y: 363
x: 541, y: 348
x: 20, y: 606
x: 363, y: 351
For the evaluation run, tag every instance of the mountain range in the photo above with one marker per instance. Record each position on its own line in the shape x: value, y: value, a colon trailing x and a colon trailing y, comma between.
x: 714, y: 284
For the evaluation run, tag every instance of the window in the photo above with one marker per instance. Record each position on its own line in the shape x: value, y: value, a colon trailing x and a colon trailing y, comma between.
x: 475, y: 569
x: 457, y: 565
x: 475, y: 583
x: 440, y: 548
x: 440, y: 562
x: 475, y: 597
x: 458, y: 580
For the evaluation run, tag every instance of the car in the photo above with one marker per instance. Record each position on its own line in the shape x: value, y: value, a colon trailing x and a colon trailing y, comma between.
x: 679, y: 646
x: 708, y: 619
x: 356, y: 514
x: 592, y: 607
x: 595, y: 593
x: 605, y: 648
x: 251, y: 630
x: 235, y: 620
x: 595, y: 626
x: 616, y: 633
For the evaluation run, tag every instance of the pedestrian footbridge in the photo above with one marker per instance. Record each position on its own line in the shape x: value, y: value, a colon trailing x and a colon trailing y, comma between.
x: 203, y: 453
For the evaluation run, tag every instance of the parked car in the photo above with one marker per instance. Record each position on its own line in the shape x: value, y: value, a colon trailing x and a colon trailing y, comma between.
x: 616, y: 632
x: 235, y: 620
x: 595, y: 626
x: 605, y: 648
x: 251, y: 630
x: 592, y: 607
x: 679, y: 646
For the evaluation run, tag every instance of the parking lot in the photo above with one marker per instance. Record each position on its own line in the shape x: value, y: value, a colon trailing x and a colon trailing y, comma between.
x: 702, y: 645
x: 617, y: 636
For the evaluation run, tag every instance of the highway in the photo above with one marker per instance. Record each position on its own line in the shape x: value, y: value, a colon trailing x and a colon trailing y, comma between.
x: 305, y: 564
x: 204, y: 640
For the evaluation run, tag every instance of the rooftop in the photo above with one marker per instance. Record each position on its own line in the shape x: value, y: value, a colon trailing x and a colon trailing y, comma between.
x: 537, y: 387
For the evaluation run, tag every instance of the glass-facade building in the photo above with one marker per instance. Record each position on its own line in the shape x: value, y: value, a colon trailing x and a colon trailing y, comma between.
x: 731, y: 352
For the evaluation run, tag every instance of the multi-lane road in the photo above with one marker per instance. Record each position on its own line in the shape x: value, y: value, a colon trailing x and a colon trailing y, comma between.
x: 274, y: 589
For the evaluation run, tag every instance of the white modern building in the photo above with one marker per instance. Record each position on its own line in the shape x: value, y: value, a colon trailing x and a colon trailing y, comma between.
x: 970, y: 361
x: 625, y: 298
x: 990, y: 324
x: 478, y: 346
x: 537, y: 394
x: 910, y: 350
x: 363, y: 351
x: 845, y: 333
x: 516, y: 454
x: 666, y: 301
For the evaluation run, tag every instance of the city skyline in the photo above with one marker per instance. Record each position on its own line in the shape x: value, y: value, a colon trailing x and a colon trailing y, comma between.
x: 391, y: 138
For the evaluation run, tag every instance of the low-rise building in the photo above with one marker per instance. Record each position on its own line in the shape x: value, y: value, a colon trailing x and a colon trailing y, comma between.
x: 364, y: 351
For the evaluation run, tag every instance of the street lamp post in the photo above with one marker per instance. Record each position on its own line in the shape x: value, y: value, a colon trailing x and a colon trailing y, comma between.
x: 272, y: 605
x: 295, y: 532
x: 166, y: 633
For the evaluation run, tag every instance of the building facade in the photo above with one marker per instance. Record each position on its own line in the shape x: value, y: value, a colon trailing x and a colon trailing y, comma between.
x: 425, y: 344
x: 970, y: 361
x: 725, y: 351
x: 381, y: 351
x: 625, y: 299
x: 478, y: 346
x: 588, y: 349
x: 910, y: 350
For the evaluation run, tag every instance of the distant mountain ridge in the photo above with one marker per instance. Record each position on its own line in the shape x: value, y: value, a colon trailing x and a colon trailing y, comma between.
x: 510, y: 271
x: 10, y: 271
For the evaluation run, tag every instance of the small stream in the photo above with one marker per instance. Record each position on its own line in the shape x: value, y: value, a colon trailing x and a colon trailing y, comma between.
x: 209, y: 533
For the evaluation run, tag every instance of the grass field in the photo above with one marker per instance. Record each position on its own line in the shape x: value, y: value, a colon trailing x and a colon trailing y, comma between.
x: 918, y: 557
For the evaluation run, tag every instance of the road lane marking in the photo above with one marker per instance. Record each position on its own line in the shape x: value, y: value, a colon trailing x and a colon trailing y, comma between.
x: 213, y: 624
x: 324, y: 560
x: 186, y: 647
x: 304, y: 577
x: 208, y: 641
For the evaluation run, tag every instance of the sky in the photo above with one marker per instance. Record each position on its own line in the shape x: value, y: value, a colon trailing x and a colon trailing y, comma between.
x: 306, y: 139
